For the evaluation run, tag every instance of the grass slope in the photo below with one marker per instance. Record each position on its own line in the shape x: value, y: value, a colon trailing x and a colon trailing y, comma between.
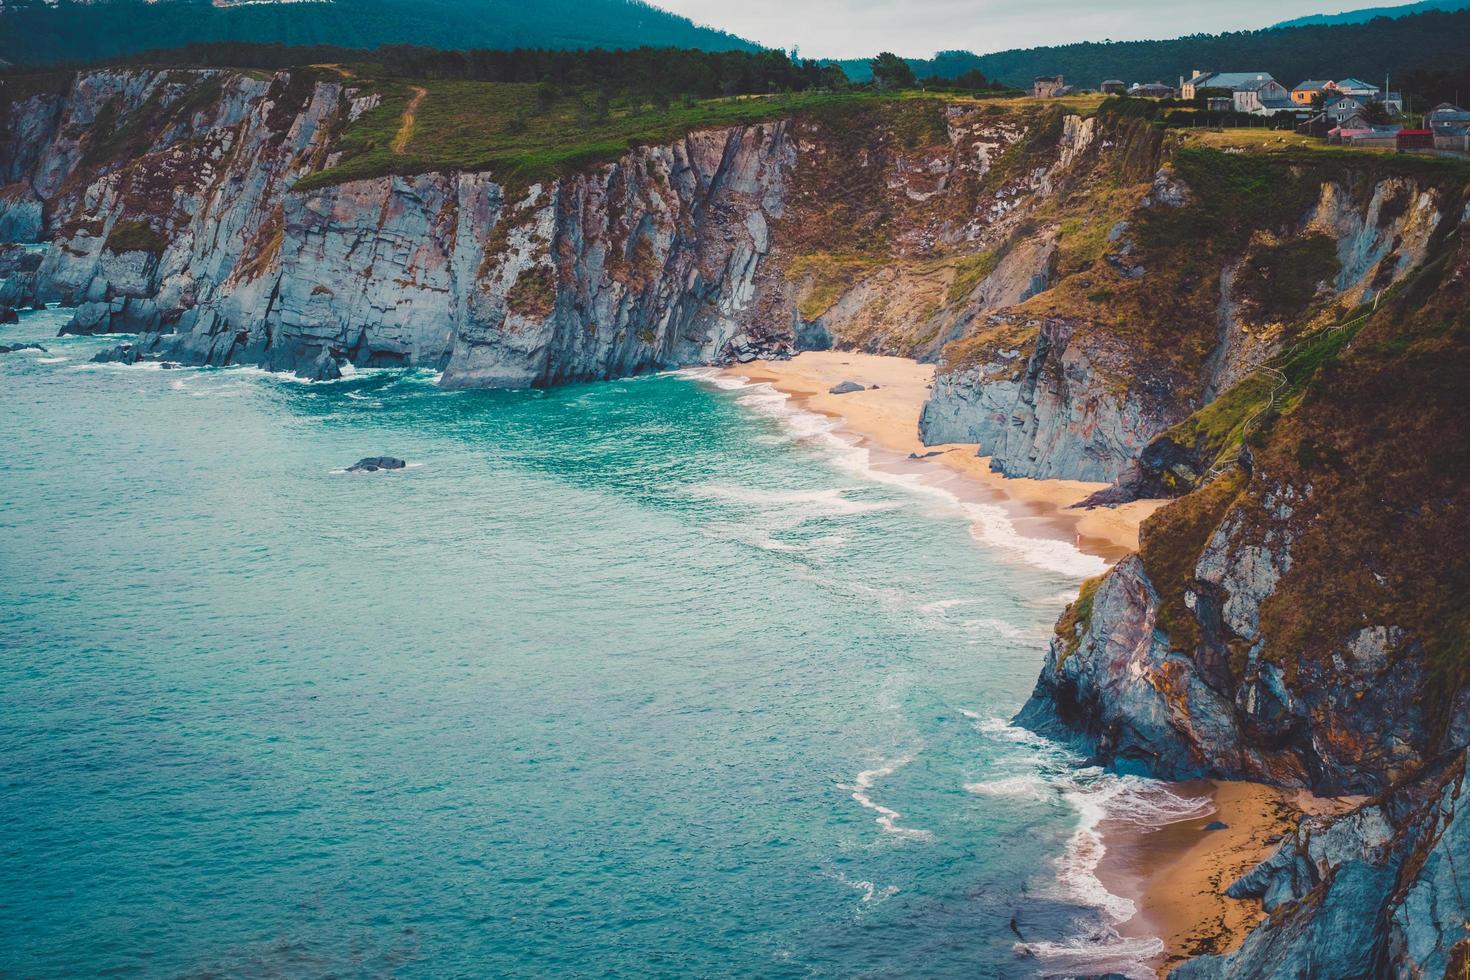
x: 505, y: 129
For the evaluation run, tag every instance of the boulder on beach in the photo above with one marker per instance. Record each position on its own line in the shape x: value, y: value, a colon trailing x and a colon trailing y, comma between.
x: 845, y: 387
x: 929, y: 455
x: 372, y: 464
x: 1216, y: 825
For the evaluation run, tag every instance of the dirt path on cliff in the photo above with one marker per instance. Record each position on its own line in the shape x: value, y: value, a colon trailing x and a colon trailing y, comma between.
x: 405, y: 128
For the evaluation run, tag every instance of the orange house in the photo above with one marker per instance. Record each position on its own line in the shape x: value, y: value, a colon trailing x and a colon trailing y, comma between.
x: 1307, y: 91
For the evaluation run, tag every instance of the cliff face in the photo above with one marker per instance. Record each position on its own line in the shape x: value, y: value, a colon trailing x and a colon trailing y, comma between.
x: 1299, y: 617
x: 1167, y: 294
x: 182, y: 225
x: 1280, y: 622
x: 170, y: 201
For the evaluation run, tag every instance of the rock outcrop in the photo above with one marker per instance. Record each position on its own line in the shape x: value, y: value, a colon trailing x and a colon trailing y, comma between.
x: 1298, y: 619
x: 1163, y: 295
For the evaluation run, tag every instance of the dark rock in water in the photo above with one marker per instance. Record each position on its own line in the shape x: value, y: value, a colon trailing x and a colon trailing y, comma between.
x: 845, y: 387
x: 121, y: 354
x: 8, y: 315
x: 371, y: 464
x: 929, y: 455
x: 324, y: 368
x: 1216, y: 825
x: 12, y: 348
x: 38, y: 305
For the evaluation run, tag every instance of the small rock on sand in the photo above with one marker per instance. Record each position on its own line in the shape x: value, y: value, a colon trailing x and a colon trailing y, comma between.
x: 845, y: 387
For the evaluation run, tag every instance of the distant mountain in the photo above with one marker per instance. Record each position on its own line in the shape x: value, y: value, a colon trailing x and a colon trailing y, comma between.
x: 1368, y: 13
x: 1434, y: 40
x: 38, y: 31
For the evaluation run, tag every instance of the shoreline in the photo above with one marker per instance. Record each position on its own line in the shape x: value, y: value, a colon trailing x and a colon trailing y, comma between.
x: 1176, y: 874
x: 887, y: 418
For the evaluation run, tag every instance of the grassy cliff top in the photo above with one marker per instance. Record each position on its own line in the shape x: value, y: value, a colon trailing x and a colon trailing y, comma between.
x: 523, y: 133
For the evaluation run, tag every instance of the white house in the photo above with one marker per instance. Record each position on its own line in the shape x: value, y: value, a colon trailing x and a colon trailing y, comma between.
x: 1262, y: 96
x: 1359, y: 89
x: 1251, y: 91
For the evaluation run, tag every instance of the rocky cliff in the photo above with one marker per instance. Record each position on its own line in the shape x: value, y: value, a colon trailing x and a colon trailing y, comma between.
x: 1297, y: 617
x: 1168, y: 287
x: 176, y: 209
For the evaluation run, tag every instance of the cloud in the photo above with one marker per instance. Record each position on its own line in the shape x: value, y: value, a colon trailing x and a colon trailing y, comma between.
x: 918, y: 28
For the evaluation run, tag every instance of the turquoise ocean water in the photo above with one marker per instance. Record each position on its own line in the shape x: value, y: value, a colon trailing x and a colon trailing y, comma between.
x: 648, y: 678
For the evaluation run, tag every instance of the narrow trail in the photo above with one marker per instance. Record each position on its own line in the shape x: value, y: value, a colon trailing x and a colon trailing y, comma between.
x: 405, y: 128
x: 1281, y: 382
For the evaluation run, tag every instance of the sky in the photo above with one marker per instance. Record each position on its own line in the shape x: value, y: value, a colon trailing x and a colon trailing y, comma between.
x: 918, y: 28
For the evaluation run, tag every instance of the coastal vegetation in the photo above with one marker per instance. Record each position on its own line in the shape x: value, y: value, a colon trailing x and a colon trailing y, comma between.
x: 38, y: 32
x: 524, y: 133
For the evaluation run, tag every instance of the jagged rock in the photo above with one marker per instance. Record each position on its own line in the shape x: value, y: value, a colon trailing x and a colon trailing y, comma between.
x: 121, y: 354
x: 845, y: 387
x: 1053, y: 414
x: 324, y: 368
x: 372, y: 464
x: 929, y: 455
x: 8, y: 315
x: 1373, y: 892
x: 13, y: 348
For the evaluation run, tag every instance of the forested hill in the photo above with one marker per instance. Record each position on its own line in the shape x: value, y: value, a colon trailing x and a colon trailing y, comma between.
x: 1434, y: 40
x: 34, y: 32
x: 1369, y: 13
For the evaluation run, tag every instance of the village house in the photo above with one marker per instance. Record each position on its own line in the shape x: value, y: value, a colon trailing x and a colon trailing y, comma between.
x: 1051, y: 87
x: 1366, y: 91
x: 1151, y: 90
x: 1456, y: 138
x: 1451, y: 127
x: 1262, y: 96
x: 1378, y: 137
x: 1307, y: 92
x: 1318, y: 125
x: 1343, y: 106
x: 1228, y: 81
x: 1250, y: 91
x: 1113, y: 86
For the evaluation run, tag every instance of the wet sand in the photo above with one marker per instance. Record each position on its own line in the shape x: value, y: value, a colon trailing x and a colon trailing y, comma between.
x: 887, y: 418
x: 1177, y: 875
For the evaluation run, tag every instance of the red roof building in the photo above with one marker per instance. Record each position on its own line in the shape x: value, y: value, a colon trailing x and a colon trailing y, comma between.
x: 1415, y: 139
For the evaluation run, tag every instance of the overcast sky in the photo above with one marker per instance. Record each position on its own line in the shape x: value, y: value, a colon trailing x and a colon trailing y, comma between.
x: 918, y: 28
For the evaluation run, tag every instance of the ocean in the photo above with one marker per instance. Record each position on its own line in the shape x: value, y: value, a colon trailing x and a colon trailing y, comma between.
x: 656, y: 677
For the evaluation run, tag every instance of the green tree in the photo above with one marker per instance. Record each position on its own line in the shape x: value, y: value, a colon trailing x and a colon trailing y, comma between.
x: 891, y: 71
x: 1376, y: 113
x: 974, y: 80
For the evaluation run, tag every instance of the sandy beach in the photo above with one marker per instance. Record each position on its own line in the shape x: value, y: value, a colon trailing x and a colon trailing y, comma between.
x: 887, y: 418
x: 1177, y: 874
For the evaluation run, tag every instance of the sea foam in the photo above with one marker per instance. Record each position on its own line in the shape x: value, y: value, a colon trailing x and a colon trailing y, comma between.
x: 989, y: 524
x: 1095, y: 795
